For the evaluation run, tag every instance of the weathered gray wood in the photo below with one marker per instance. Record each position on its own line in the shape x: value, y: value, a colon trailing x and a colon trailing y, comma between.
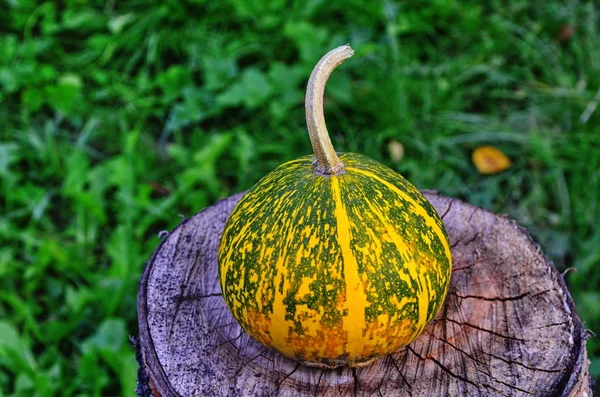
x: 508, y: 326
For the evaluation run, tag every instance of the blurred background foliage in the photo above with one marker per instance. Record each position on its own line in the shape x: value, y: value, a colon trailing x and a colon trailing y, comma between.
x: 117, y: 117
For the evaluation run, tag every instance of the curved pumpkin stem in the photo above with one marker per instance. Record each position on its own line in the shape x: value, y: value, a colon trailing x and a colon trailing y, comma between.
x: 328, y: 161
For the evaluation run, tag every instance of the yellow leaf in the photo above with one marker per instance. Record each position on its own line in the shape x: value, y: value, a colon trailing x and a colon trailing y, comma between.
x: 489, y: 160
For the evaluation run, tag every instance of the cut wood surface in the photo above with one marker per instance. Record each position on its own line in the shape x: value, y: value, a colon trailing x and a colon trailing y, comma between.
x: 508, y: 326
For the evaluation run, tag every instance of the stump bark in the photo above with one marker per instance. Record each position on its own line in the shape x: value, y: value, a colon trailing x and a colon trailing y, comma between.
x: 508, y: 326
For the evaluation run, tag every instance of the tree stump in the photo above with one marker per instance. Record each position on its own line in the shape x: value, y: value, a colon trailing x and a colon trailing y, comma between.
x: 508, y: 326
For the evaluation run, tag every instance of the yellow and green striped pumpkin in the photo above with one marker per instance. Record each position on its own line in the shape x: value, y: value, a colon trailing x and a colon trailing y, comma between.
x: 334, y: 268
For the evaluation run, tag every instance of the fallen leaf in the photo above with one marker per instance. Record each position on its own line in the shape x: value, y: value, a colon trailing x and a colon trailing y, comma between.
x: 159, y: 190
x: 396, y: 151
x: 566, y: 33
x: 489, y: 160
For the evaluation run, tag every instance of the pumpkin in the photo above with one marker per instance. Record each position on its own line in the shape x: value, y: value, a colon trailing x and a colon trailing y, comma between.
x: 333, y: 259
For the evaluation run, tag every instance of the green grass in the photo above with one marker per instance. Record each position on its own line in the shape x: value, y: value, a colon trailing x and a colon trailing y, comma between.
x: 117, y: 117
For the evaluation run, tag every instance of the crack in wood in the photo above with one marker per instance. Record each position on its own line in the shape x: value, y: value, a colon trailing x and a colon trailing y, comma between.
x: 319, y: 383
x: 553, y: 325
x: 475, y: 237
x: 237, y: 372
x: 285, y: 377
x: 355, y: 377
x: 401, y: 375
x: 520, y: 364
x: 457, y: 376
x: 198, y: 297
x: 447, y: 209
x: 267, y: 357
x: 508, y: 361
x: 494, y: 298
x: 461, y: 323
x: 211, y: 330
x: 514, y: 387
x: 472, y: 357
x: 469, y: 355
x: 452, y: 374
x: 470, y: 265
x: 472, y: 214
x: 542, y: 292
x: 380, y: 384
x: 249, y: 341
x: 230, y: 341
